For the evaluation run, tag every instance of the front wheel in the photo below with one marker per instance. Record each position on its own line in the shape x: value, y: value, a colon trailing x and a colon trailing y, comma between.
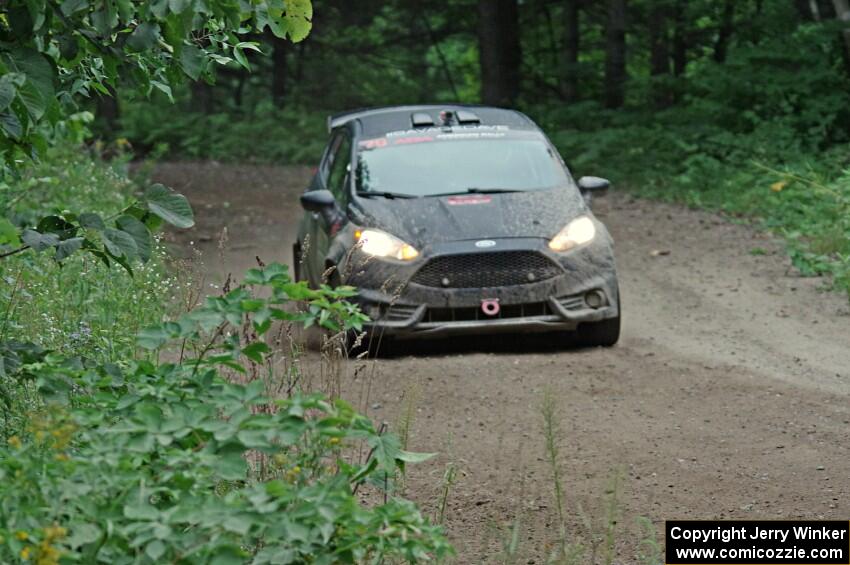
x: 601, y: 334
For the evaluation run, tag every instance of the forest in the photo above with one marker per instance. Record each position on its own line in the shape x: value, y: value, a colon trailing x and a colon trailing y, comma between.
x: 145, y: 422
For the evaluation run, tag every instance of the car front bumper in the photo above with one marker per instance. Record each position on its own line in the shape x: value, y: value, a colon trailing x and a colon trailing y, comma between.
x: 391, y: 293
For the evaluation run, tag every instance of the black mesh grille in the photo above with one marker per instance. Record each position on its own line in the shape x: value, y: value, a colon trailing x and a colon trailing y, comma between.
x: 474, y: 270
x: 470, y: 313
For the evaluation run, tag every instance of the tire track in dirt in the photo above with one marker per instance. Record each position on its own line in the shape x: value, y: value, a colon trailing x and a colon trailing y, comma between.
x: 727, y: 396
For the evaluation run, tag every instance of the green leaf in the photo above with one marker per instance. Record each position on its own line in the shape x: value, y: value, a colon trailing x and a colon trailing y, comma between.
x: 58, y: 226
x: 232, y: 467
x: 8, y: 233
x: 11, y: 125
x: 164, y: 88
x: 33, y: 100
x: 92, y: 221
x: 140, y: 234
x: 39, y: 241
x: 140, y: 511
x: 298, y: 28
x: 119, y: 243
x: 7, y: 91
x: 239, y: 55
x: 82, y: 534
x: 237, y: 524
x: 156, y: 336
x: 155, y: 549
x: 170, y: 206
x: 37, y: 69
x: 143, y: 37
x: 255, y: 351
x: 68, y: 247
x: 192, y: 61
x: 179, y: 6
x: 70, y: 7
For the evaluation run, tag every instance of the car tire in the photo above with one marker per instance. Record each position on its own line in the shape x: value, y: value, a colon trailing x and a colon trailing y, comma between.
x: 601, y: 334
x: 296, y: 263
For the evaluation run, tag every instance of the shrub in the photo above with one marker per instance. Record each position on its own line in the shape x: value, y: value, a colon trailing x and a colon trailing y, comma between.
x: 138, y: 462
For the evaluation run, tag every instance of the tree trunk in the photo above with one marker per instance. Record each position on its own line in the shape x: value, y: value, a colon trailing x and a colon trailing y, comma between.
x: 659, y: 52
x: 659, y: 55
x: 202, y: 96
x: 826, y: 9
x: 842, y: 12
x: 107, y: 109
x: 499, y: 51
x: 279, y: 74
x: 615, y: 54
x: 804, y: 10
x: 680, y: 41
x: 572, y: 38
x: 727, y: 21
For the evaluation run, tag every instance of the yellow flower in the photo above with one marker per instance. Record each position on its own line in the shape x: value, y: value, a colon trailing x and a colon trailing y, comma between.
x: 778, y: 186
x: 54, y: 532
x: 25, y: 553
x: 333, y: 441
x: 22, y: 535
x: 15, y: 442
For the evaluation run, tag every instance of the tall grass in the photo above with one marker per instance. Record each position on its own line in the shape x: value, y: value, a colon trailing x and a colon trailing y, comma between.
x: 81, y: 306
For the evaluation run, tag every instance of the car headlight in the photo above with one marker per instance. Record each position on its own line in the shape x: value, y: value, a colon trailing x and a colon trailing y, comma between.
x: 578, y: 232
x: 381, y: 244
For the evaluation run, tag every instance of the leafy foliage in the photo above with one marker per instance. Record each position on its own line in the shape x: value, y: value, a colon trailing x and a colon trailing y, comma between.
x: 52, y: 53
x: 123, y: 239
x: 146, y: 463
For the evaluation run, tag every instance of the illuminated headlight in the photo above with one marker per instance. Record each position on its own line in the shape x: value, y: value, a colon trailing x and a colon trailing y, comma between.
x: 381, y: 244
x: 578, y: 232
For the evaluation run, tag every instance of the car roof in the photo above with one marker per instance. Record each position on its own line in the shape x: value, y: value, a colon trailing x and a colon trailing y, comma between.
x: 379, y: 121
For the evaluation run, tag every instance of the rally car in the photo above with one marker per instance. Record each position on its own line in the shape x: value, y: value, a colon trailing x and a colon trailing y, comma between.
x: 457, y: 220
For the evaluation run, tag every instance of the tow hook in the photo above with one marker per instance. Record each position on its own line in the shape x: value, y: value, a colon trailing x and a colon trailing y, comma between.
x: 490, y: 306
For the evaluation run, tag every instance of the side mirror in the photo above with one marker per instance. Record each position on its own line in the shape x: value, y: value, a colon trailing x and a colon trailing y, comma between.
x: 318, y: 201
x: 593, y: 184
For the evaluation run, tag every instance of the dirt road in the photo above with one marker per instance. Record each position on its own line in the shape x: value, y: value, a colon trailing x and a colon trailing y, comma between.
x: 726, y: 397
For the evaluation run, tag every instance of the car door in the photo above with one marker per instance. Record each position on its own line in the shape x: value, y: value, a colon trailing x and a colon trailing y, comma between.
x: 334, y: 174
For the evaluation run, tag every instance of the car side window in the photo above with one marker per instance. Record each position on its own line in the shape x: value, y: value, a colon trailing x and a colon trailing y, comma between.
x: 339, y: 167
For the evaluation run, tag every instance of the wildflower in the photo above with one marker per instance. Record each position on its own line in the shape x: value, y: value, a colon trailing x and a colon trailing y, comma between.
x: 22, y: 535
x: 25, y: 553
x: 778, y: 186
x: 333, y: 441
x: 15, y: 442
x: 55, y: 532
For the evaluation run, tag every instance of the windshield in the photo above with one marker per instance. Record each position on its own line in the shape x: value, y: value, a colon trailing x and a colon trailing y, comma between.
x: 434, y: 165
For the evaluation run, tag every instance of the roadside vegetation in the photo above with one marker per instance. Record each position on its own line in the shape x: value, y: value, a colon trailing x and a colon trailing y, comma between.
x: 139, y: 421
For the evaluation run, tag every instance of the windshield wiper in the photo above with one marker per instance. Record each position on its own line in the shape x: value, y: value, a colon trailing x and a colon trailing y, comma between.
x: 370, y: 193
x: 475, y: 190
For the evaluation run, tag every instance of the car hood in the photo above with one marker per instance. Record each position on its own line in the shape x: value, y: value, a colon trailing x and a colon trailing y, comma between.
x: 429, y: 220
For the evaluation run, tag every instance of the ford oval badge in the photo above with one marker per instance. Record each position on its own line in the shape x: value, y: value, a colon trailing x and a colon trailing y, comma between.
x: 485, y: 243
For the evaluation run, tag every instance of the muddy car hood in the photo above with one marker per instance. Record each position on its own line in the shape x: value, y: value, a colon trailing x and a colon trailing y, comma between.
x: 540, y: 213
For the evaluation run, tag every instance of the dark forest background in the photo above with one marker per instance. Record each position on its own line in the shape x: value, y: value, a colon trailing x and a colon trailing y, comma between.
x: 736, y: 65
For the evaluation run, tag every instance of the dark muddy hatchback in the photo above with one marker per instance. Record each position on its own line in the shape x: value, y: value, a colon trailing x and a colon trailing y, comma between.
x: 458, y: 219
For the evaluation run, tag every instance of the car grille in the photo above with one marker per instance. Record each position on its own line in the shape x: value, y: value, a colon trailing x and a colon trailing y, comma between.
x: 470, y: 313
x: 481, y: 270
